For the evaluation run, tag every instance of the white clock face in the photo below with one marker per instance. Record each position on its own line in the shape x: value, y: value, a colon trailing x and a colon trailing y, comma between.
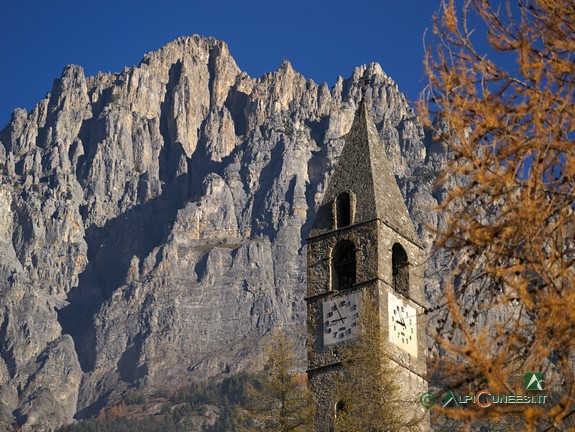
x: 341, y: 318
x: 402, y: 324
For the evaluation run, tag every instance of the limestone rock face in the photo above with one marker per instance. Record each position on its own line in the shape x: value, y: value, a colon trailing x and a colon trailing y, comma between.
x: 153, y: 221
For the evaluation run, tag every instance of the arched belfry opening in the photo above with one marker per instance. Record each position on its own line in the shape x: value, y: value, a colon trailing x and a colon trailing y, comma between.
x: 400, y: 269
x: 339, y: 409
x: 343, y: 265
x: 343, y: 210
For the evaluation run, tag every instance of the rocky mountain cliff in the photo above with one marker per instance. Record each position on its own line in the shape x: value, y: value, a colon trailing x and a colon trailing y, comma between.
x: 153, y: 221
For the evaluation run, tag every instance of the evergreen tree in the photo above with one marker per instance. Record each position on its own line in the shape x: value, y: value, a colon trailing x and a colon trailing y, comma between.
x: 279, y: 400
x: 371, y: 399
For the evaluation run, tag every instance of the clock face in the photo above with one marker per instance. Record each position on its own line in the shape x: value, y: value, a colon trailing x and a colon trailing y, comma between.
x: 402, y: 324
x: 341, y: 318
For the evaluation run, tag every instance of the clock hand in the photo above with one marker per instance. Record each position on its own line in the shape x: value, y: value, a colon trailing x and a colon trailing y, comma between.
x: 401, y: 317
x: 339, y: 313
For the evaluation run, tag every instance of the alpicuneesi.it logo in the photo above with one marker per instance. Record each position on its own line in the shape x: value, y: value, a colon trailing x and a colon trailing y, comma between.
x: 484, y: 398
x: 533, y: 381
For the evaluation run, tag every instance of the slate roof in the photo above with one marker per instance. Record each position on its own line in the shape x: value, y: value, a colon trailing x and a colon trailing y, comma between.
x: 364, y: 170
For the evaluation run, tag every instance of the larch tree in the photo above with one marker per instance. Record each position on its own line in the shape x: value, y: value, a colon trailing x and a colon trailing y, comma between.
x: 278, y: 400
x: 506, y: 114
x: 369, y: 384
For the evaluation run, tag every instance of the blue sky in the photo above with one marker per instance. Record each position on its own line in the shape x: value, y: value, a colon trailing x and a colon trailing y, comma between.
x: 322, y: 39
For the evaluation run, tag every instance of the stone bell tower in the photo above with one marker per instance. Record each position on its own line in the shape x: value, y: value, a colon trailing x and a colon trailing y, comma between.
x: 363, y: 246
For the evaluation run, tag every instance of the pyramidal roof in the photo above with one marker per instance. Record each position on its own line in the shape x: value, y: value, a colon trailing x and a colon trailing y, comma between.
x: 363, y: 170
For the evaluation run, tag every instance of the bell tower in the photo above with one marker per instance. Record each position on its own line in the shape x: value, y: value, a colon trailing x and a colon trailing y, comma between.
x: 363, y: 247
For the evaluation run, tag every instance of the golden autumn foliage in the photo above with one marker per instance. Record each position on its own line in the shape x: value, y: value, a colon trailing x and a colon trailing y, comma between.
x: 506, y: 114
x: 114, y: 412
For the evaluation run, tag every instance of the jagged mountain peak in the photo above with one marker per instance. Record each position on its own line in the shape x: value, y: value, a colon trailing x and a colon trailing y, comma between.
x: 194, y: 46
x: 153, y: 221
